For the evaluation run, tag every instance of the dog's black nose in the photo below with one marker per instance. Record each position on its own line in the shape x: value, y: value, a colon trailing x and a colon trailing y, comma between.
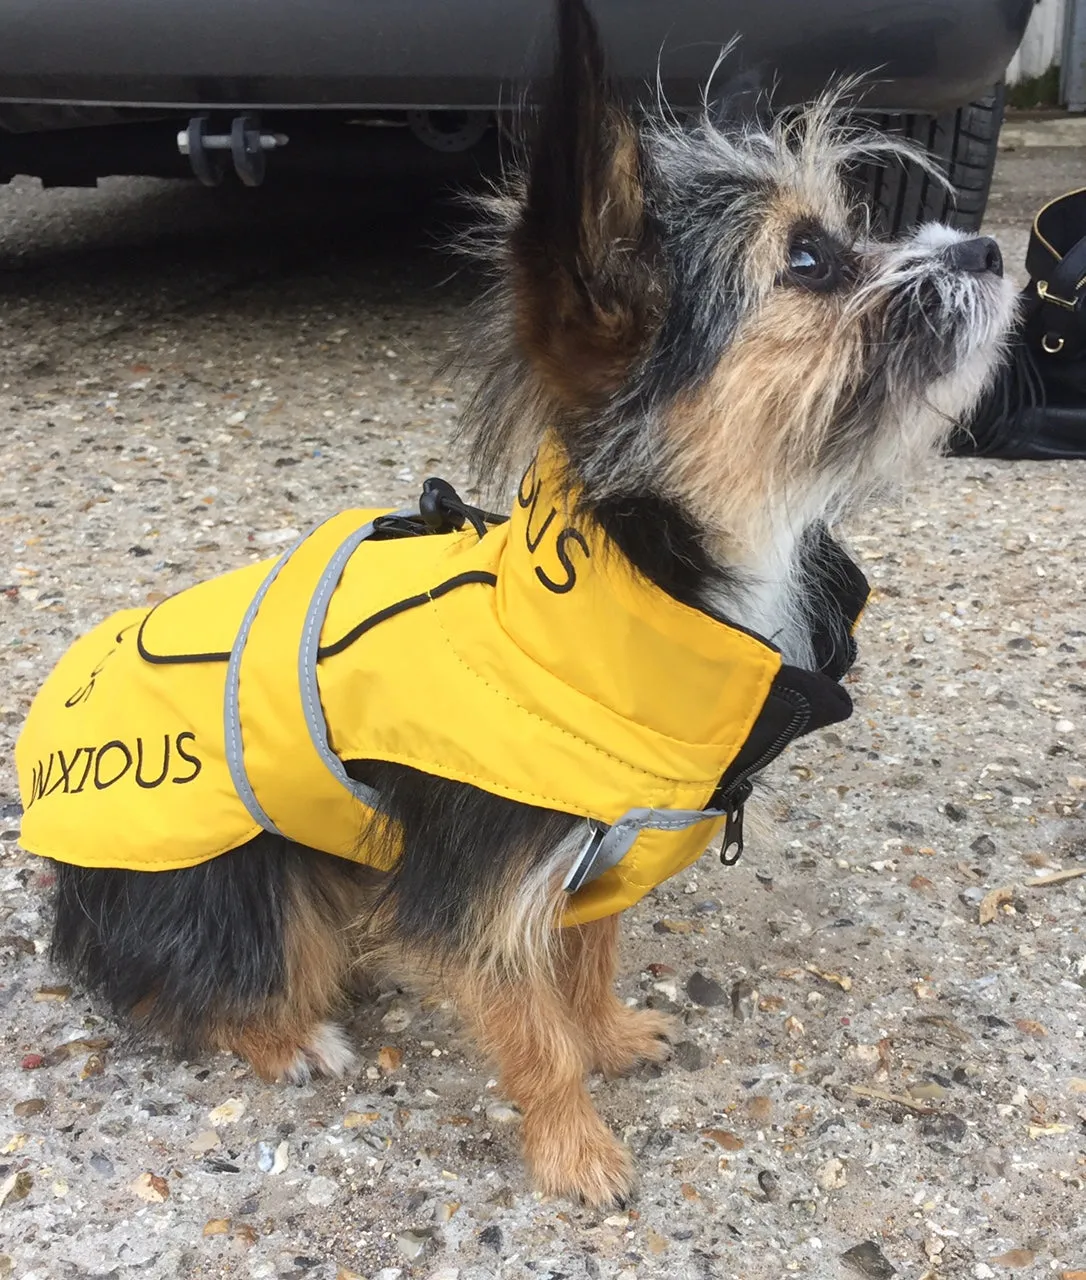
x: 978, y: 255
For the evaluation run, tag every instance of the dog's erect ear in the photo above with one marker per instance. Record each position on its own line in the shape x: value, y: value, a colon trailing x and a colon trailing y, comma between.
x: 581, y: 247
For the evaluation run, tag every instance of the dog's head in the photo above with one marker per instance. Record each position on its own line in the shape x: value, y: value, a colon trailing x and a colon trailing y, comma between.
x: 700, y: 311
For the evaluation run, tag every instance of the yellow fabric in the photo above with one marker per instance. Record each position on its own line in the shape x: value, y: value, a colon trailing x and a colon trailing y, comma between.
x: 565, y: 681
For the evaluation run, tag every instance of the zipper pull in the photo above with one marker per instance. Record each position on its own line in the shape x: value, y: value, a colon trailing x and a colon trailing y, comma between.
x: 733, y: 824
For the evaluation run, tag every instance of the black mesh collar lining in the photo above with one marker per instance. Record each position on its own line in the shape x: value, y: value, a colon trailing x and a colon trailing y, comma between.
x: 800, y: 701
x: 839, y: 592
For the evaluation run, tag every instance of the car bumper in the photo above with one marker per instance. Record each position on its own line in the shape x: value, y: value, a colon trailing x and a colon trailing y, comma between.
x: 361, y: 54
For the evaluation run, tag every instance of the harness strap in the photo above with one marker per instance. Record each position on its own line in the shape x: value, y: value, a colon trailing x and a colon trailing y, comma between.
x: 307, y: 662
x: 235, y: 756
x: 605, y: 847
x: 271, y: 640
x: 276, y: 638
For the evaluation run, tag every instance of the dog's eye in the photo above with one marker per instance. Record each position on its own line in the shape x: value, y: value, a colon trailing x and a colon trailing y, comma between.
x: 811, y: 265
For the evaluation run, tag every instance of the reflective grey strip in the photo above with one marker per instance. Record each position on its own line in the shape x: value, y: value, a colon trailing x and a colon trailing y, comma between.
x: 308, y: 654
x: 605, y: 847
x: 235, y: 756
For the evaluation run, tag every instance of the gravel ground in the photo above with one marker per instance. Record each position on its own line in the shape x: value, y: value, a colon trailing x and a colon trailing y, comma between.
x: 871, y: 1081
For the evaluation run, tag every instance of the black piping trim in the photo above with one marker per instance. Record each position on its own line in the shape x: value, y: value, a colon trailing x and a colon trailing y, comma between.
x: 827, y: 699
x: 167, y: 659
x: 337, y: 646
x: 402, y: 606
x: 724, y: 620
x: 799, y: 701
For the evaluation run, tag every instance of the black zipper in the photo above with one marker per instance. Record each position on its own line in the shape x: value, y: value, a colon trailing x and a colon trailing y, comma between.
x: 733, y: 824
x: 740, y: 787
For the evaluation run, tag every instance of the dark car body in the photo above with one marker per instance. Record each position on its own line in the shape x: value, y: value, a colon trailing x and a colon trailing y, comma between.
x: 71, y: 64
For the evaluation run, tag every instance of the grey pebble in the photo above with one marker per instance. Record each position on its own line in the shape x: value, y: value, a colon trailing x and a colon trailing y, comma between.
x: 946, y: 1125
x: 413, y: 1244
x: 491, y: 1237
x: 704, y: 990
x: 991, y: 1163
x: 101, y: 1164
x: 983, y: 847
x: 993, y: 1020
x: 869, y: 1260
x: 689, y: 1056
x: 321, y: 1192
x: 742, y: 989
x: 906, y: 827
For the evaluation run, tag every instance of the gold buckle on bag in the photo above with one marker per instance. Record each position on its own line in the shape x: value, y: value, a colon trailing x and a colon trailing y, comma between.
x: 1043, y: 293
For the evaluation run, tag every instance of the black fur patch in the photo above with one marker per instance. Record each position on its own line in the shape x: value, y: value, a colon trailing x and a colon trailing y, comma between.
x: 205, y: 941
x: 704, y: 283
x: 661, y: 542
x: 457, y: 846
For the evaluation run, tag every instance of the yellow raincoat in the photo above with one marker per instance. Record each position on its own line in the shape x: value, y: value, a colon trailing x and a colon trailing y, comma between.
x: 533, y: 662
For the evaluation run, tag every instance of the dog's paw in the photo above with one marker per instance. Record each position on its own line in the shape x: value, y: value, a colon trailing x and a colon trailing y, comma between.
x: 325, y: 1053
x: 586, y: 1163
x: 635, y: 1036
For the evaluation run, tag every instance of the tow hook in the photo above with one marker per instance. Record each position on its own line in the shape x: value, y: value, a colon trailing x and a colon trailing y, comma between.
x: 246, y: 145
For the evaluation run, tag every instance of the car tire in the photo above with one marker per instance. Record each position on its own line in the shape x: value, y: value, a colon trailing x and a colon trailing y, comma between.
x: 964, y: 142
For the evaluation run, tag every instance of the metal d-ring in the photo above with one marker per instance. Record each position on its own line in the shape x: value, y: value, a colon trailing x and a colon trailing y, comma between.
x: 1051, y: 345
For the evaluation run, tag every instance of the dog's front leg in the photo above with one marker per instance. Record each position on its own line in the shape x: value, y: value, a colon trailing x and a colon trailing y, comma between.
x: 542, y: 1059
x: 618, y: 1037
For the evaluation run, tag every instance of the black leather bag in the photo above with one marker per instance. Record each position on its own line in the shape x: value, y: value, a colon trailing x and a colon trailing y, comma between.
x: 1037, y: 406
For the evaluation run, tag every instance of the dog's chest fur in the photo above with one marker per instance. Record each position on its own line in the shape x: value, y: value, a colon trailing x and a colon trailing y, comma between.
x: 768, y: 593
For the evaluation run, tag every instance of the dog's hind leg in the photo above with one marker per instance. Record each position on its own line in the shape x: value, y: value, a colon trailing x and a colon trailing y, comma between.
x: 618, y: 1037
x: 291, y: 1037
x: 249, y: 952
x: 542, y: 1059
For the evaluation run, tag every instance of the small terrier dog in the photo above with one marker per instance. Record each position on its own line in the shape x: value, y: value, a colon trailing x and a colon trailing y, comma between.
x: 699, y: 318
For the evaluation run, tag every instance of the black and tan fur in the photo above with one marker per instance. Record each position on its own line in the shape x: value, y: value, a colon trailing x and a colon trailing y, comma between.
x: 727, y: 360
